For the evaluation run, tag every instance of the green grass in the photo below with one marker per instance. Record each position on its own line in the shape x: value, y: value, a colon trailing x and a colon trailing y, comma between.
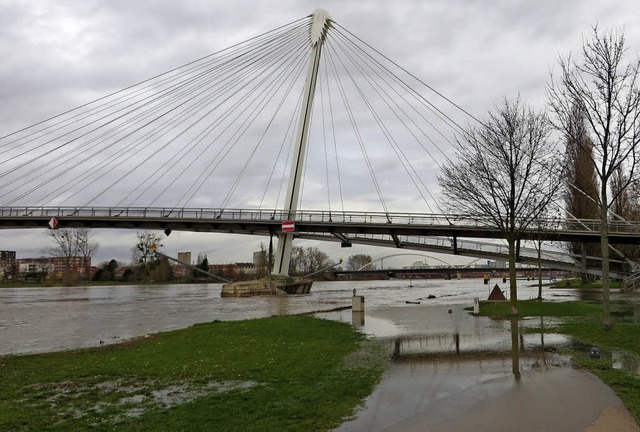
x: 577, y: 284
x: 279, y: 373
x: 531, y: 308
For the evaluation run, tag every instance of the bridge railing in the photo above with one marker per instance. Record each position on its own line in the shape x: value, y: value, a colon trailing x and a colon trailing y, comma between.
x: 322, y: 216
x: 466, y: 245
x: 245, y: 214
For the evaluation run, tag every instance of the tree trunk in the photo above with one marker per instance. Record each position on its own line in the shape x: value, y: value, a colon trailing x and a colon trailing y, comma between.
x: 513, y: 291
x: 604, y: 244
x: 539, y: 270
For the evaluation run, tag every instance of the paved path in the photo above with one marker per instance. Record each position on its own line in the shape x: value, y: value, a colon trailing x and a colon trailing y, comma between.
x: 481, y: 396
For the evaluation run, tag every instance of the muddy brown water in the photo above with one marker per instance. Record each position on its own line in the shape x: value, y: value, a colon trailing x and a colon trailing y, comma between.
x: 58, y: 318
x: 450, y: 370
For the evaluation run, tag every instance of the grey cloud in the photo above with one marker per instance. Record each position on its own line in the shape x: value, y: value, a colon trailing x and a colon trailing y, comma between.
x: 57, y: 55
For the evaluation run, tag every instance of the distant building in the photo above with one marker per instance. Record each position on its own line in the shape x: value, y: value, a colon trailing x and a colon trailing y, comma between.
x: 185, y: 257
x: 180, y: 271
x: 8, y: 267
x: 28, y: 266
x: 260, y: 259
x: 56, y: 267
x: 247, y: 268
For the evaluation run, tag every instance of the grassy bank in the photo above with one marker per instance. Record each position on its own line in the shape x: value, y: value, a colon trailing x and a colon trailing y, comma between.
x: 583, y: 322
x: 279, y: 373
x: 529, y: 308
x: 577, y: 284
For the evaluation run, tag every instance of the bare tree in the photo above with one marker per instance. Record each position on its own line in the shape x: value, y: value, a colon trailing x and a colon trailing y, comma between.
x: 626, y: 206
x: 506, y: 171
x: 64, y: 247
x: 307, y: 259
x: 607, y: 92
x: 357, y: 261
x: 85, y: 247
x: 297, y: 259
x: 316, y: 260
x: 143, y: 253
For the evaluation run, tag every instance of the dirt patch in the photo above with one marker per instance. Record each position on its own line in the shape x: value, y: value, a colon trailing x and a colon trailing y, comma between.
x: 614, y: 420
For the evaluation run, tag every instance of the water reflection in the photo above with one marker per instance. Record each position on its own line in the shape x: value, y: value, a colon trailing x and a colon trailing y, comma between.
x: 515, y: 349
x: 491, y: 340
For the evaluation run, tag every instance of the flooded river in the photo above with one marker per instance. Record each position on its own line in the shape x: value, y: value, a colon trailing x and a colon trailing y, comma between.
x: 450, y: 370
x: 56, y: 318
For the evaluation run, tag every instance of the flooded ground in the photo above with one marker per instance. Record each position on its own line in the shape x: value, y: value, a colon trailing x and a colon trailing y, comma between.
x: 450, y: 370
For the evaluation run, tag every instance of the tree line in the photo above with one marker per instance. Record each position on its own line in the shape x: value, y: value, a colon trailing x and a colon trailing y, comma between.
x: 510, y: 168
x: 146, y: 265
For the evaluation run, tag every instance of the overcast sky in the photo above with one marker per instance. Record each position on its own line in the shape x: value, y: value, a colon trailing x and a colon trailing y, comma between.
x: 59, y: 54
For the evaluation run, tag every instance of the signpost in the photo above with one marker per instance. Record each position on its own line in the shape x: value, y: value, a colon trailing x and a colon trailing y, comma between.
x: 288, y: 226
x: 53, y: 223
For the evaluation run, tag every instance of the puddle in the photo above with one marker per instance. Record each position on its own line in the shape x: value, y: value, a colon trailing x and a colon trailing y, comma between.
x: 118, y: 399
x: 451, y: 370
x: 626, y: 362
x: 620, y: 360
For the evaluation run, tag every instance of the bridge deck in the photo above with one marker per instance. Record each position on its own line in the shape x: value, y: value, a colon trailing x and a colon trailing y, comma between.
x: 433, y: 232
x: 265, y: 221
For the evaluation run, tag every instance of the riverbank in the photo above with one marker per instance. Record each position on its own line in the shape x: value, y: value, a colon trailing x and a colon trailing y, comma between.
x: 578, y: 284
x: 84, y: 284
x: 279, y: 373
x: 618, y: 364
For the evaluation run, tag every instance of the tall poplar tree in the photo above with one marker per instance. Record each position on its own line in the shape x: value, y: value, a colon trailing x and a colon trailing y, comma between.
x: 607, y: 92
x: 581, y: 184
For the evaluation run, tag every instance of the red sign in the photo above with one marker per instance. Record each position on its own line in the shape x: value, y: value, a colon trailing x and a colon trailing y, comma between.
x: 53, y: 223
x: 288, y: 226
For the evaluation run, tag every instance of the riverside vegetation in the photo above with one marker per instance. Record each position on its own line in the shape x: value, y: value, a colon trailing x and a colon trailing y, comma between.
x: 279, y: 373
x: 583, y: 322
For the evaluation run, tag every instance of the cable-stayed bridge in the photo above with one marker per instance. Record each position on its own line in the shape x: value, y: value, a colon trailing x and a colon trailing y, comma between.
x: 448, y: 234
x: 234, y: 130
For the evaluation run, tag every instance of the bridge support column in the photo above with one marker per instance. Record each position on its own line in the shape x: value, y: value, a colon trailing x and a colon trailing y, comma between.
x: 279, y: 281
x: 319, y: 27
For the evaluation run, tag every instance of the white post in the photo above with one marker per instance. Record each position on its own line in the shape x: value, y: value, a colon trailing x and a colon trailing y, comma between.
x: 319, y: 27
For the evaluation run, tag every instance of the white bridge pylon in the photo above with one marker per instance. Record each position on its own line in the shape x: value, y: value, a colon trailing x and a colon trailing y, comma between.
x: 320, y: 25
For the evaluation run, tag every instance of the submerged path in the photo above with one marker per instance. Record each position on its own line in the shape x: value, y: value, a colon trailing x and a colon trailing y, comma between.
x: 549, y: 398
x: 431, y: 387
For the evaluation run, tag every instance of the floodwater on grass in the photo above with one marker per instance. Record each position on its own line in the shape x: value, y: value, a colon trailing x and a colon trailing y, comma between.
x: 455, y: 371
x: 445, y: 360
